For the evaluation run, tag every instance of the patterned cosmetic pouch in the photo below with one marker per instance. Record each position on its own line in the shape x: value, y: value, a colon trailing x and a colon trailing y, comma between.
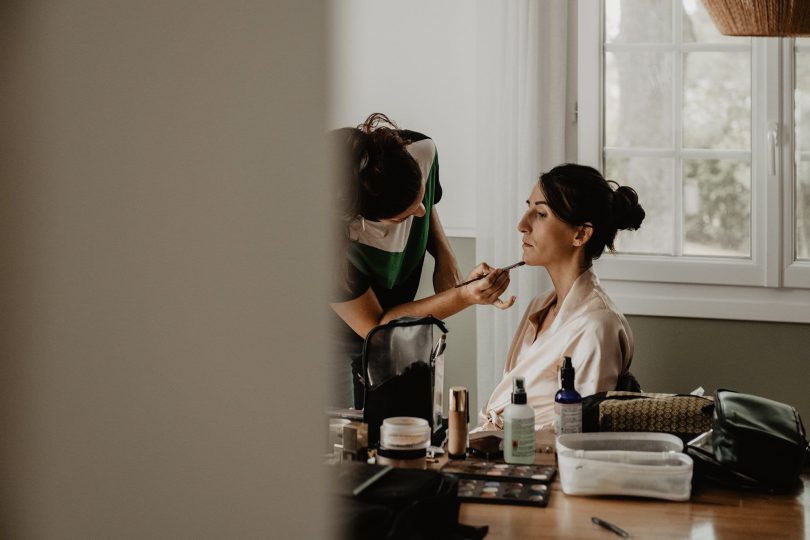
x: 684, y: 416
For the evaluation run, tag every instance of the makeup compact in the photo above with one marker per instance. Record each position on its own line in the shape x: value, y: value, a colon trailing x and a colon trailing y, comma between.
x: 488, y: 448
x: 502, y: 492
x: 501, y: 471
x: 502, y: 483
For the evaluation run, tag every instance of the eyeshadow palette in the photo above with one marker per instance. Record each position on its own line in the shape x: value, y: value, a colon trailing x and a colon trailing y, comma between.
x: 501, y: 471
x: 502, y: 492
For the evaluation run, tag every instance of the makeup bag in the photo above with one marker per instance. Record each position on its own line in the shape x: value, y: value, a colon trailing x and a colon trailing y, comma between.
x: 684, y: 416
x: 636, y: 464
x: 378, y: 502
x: 755, y: 442
x: 403, y: 372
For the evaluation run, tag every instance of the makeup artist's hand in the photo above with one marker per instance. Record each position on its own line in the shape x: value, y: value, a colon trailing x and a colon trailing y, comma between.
x: 445, y: 273
x: 488, y: 290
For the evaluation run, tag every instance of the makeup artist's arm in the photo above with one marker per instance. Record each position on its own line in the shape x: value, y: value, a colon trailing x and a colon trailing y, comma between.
x: 364, y: 313
x: 446, y: 274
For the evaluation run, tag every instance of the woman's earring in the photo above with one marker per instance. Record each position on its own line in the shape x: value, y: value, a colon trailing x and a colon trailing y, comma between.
x: 363, y: 222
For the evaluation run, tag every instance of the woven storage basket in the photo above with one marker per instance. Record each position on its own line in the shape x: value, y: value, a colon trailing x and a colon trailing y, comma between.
x: 760, y: 17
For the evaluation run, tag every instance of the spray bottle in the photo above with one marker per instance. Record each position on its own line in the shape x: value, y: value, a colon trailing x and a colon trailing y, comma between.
x: 518, y: 427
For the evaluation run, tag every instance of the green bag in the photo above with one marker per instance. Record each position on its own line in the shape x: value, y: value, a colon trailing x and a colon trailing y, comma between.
x: 758, y: 437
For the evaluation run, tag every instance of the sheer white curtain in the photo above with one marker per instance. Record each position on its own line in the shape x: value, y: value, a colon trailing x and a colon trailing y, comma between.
x: 521, y: 97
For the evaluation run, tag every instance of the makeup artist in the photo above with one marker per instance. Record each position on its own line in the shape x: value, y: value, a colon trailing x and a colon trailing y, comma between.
x: 388, y: 186
x: 573, y: 214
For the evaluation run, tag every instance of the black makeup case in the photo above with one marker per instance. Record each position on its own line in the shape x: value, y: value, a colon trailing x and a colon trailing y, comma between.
x: 376, y: 502
x: 755, y: 443
x: 403, y: 372
x: 759, y: 437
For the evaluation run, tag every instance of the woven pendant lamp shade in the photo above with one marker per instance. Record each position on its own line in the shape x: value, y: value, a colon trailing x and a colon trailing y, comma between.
x: 760, y: 17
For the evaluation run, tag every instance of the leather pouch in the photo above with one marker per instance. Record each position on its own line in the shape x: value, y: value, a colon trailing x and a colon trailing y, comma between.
x: 376, y: 502
x: 760, y: 438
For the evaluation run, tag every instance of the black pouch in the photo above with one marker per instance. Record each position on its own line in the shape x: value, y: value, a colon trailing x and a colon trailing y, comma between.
x: 684, y: 416
x: 378, y: 502
x: 403, y: 370
x: 708, y: 469
x: 759, y: 438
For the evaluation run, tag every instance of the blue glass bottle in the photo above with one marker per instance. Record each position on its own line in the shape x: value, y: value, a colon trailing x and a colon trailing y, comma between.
x: 567, y: 402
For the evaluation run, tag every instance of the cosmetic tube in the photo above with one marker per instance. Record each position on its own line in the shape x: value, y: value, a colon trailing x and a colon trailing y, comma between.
x: 458, y: 420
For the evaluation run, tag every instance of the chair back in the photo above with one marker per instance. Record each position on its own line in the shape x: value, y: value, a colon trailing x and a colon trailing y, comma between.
x: 628, y: 383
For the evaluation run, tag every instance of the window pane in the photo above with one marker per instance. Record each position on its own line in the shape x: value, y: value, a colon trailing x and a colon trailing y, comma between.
x: 652, y: 180
x: 717, y: 208
x: 803, y: 211
x: 802, y: 98
x: 802, y: 119
x: 638, y: 21
x: 699, y: 27
x: 717, y: 100
x: 638, y: 99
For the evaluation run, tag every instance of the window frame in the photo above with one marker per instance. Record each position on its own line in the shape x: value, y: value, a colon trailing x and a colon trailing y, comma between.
x: 796, y: 273
x: 769, y: 286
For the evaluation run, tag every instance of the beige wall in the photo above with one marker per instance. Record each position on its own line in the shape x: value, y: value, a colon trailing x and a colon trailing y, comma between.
x: 768, y: 359
x: 677, y: 355
x: 160, y: 361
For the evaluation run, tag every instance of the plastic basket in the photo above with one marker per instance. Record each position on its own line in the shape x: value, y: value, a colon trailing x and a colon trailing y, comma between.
x: 626, y: 463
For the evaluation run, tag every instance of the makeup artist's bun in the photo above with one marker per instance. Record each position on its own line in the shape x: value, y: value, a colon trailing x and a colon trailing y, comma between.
x: 580, y: 195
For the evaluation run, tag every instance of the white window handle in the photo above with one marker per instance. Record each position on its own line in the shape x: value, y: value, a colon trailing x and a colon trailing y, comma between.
x: 773, y: 132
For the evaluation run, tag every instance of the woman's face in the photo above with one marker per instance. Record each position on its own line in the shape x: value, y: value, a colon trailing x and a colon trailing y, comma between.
x: 546, y: 238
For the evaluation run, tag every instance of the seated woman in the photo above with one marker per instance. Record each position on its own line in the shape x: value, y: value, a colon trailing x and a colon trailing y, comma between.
x: 573, y: 214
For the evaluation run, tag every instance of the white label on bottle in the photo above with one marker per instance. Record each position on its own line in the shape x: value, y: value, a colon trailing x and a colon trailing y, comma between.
x: 567, y: 418
x: 521, y: 437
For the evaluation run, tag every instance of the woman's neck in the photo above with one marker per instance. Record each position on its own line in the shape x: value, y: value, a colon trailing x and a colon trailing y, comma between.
x: 563, y: 275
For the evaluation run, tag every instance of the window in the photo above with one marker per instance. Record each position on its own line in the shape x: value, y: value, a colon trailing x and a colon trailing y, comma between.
x: 704, y: 127
x: 797, y: 222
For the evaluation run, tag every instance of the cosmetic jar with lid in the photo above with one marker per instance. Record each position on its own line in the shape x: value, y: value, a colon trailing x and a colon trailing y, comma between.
x: 403, y: 442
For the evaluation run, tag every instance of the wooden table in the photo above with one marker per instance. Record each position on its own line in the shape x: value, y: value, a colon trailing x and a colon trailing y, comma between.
x: 712, y: 513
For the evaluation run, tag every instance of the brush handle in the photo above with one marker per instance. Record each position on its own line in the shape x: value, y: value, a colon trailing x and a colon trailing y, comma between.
x: 519, y: 263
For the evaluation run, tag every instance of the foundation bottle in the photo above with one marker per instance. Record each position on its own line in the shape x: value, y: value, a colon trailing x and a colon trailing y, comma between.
x: 458, y: 421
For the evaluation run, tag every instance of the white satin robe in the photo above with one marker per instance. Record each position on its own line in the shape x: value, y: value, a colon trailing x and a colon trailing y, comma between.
x: 588, y: 328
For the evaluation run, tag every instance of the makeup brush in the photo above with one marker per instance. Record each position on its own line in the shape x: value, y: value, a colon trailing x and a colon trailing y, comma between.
x: 520, y: 263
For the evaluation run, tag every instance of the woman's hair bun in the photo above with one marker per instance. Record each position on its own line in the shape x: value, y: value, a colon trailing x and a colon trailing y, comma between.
x: 627, y: 213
